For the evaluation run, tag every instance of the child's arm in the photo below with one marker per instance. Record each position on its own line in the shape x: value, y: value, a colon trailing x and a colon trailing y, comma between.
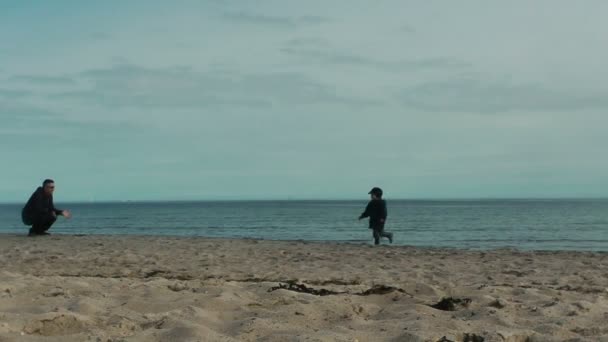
x: 366, y: 212
x: 384, y: 213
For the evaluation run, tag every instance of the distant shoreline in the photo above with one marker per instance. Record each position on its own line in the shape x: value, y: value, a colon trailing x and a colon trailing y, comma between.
x: 364, y: 243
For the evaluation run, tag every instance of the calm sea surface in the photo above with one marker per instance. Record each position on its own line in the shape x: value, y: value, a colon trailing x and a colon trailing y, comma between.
x: 522, y: 224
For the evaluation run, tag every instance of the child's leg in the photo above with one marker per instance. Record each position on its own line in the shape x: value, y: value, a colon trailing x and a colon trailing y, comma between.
x: 387, y: 235
x: 376, y: 234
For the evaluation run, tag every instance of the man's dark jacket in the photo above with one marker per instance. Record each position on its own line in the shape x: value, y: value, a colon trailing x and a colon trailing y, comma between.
x: 38, y: 206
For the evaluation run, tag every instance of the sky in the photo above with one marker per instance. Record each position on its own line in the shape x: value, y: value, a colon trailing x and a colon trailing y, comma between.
x: 155, y: 100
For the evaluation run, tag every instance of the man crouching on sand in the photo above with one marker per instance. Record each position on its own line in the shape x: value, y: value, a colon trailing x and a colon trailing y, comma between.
x: 40, y: 212
x: 377, y: 213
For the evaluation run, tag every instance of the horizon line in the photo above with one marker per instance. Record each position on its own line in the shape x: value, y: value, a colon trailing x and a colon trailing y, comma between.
x: 413, y: 199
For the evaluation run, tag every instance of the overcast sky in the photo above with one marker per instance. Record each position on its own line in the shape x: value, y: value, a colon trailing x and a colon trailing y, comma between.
x: 155, y: 100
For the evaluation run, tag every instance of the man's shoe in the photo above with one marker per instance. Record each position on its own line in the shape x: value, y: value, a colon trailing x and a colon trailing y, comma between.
x: 390, y: 238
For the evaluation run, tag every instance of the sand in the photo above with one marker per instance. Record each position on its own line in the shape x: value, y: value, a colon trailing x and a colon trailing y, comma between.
x: 136, y: 288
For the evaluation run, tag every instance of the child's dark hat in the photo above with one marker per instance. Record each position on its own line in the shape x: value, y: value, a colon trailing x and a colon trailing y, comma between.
x: 375, y: 191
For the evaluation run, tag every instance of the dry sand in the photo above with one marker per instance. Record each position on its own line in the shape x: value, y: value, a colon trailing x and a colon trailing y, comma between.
x: 135, y: 288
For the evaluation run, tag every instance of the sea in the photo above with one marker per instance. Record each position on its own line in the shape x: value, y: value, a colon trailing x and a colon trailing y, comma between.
x: 524, y: 224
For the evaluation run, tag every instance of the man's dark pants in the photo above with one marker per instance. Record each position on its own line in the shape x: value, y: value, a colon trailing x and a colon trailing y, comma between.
x: 42, y: 223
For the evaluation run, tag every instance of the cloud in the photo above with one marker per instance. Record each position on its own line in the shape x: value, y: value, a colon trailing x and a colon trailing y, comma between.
x: 485, y: 96
x: 334, y: 57
x: 22, y: 121
x: 273, y: 21
x: 315, y: 42
x: 43, y: 80
x: 320, y: 51
x: 18, y: 113
x: 15, y: 114
x: 183, y: 87
x: 14, y: 93
x: 99, y: 36
x: 407, y: 28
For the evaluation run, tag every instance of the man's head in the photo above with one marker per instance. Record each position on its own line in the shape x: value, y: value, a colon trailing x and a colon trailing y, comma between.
x: 48, y: 186
x: 376, y: 193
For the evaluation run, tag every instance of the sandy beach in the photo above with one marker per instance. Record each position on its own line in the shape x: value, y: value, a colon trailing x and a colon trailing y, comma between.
x: 136, y: 288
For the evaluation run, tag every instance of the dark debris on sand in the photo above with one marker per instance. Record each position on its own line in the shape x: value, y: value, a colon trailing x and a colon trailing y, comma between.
x: 451, y: 303
x: 465, y: 338
x: 375, y: 290
x: 303, y: 289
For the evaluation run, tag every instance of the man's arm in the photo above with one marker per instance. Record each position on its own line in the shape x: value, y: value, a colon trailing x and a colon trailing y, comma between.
x: 64, y: 213
x: 55, y: 210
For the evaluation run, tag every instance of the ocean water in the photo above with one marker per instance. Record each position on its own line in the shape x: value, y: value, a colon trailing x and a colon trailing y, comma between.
x: 484, y: 224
